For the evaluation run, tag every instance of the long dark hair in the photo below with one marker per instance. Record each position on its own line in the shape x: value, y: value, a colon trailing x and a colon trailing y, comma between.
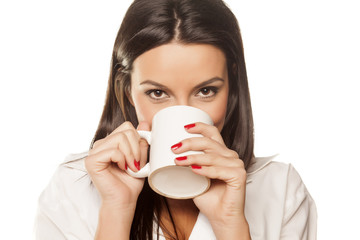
x: 148, y: 24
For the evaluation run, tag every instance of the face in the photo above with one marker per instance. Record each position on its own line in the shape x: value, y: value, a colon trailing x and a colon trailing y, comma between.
x: 176, y: 74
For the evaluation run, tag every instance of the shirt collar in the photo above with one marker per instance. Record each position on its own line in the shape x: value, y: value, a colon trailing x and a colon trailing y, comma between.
x: 72, y: 161
x: 259, y: 163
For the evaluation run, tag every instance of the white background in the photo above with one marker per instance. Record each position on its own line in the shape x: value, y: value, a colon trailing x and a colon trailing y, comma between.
x: 303, y: 68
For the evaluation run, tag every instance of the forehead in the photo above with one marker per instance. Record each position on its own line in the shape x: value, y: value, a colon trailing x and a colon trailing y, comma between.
x: 190, y: 63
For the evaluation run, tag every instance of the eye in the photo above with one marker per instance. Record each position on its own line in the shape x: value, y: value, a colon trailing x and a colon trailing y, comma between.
x: 207, y: 92
x: 156, y: 94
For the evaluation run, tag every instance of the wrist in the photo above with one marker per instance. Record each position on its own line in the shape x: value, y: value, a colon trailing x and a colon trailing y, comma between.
x: 236, y: 229
x: 118, y: 214
x: 114, y: 222
x: 118, y: 205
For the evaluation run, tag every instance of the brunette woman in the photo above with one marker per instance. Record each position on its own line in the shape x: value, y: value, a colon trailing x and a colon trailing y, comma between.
x: 176, y: 52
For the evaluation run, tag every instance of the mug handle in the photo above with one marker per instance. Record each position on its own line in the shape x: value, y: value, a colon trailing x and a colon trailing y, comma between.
x: 144, y: 172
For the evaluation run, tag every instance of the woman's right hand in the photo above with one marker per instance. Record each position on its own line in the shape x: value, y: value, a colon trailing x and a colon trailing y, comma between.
x: 108, y: 160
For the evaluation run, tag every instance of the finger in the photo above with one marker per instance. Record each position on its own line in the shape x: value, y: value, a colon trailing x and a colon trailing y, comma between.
x: 115, y: 139
x: 127, y: 140
x: 204, y: 144
x: 143, y: 144
x: 125, y: 146
x: 209, y: 160
x: 233, y: 177
x: 121, y: 141
x: 124, y: 126
x: 206, y: 130
x: 133, y: 139
x: 100, y: 161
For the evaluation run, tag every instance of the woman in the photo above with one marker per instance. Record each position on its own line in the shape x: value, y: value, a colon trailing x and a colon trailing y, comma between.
x: 173, y: 52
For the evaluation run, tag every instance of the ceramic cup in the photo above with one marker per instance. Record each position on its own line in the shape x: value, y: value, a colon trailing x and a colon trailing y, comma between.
x: 164, y: 176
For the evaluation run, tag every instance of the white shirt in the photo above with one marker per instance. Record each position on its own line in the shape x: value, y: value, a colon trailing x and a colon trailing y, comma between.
x: 277, y: 206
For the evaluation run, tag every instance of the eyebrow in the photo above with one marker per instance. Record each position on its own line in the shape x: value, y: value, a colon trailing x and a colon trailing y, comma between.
x: 207, y: 82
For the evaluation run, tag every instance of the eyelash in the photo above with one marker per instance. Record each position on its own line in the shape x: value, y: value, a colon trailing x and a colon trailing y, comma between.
x: 149, y: 92
x: 213, y: 89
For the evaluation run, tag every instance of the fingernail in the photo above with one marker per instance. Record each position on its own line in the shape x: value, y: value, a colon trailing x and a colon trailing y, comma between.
x: 176, y: 146
x: 181, y: 158
x: 125, y: 166
x: 187, y: 127
x: 137, y: 164
x: 195, y: 167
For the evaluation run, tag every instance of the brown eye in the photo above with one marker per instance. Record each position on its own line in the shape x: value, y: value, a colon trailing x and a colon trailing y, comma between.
x: 207, y: 92
x: 156, y: 94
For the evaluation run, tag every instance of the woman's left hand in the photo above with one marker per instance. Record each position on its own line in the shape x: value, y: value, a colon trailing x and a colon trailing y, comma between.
x: 223, y: 204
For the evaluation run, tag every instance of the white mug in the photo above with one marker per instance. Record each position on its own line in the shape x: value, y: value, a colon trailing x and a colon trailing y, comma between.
x: 164, y: 176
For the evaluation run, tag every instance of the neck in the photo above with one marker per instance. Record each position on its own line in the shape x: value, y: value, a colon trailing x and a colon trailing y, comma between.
x: 184, y: 214
x: 183, y: 204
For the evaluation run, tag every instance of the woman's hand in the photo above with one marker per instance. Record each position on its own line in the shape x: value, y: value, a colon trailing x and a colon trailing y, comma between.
x: 108, y: 160
x: 106, y: 164
x: 224, y: 202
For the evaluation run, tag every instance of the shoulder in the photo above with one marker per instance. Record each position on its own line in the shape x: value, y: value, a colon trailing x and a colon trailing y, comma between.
x: 266, y: 185
x: 70, y: 201
x: 71, y: 181
x: 271, y: 171
x: 277, y: 179
x: 280, y: 181
x: 276, y: 195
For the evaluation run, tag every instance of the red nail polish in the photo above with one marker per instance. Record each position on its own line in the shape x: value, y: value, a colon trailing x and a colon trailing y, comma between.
x: 137, y: 164
x: 187, y: 127
x: 195, y: 167
x: 181, y: 158
x: 176, y: 146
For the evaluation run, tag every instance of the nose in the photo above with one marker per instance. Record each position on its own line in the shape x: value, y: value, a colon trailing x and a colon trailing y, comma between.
x: 183, y: 101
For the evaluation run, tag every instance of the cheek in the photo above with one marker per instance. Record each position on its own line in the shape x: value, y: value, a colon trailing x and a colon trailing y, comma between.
x: 143, y: 111
x: 143, y: 114
x: 219, y: 118
x: 217, y: 112
x: 220, y: 113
